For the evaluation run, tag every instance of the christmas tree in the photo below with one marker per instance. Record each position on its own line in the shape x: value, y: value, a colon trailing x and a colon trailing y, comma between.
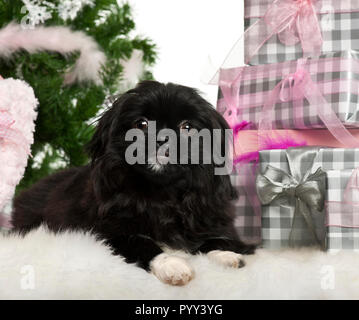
x: 69, y: 102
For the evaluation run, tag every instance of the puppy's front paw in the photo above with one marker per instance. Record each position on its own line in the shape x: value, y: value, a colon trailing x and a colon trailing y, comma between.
x: 227, y: 258
x: 172, y: 270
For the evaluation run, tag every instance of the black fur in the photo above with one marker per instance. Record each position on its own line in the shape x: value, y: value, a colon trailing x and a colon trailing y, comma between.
x: 130, y: 206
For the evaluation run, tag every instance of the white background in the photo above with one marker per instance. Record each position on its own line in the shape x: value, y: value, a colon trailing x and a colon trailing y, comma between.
x: 187, y: 33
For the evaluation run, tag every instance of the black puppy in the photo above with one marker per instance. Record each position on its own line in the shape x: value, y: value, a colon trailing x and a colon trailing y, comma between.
x: 139, y: 209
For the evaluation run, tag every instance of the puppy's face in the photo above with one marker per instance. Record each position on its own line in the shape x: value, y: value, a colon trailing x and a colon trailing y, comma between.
x: 152, y: 131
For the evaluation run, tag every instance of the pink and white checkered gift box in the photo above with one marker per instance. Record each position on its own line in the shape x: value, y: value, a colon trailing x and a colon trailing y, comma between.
x: 301, y: 94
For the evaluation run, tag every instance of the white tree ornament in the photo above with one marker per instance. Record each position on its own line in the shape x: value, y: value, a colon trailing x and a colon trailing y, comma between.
x: 35, y: 13
x: 69, y: 9
x: 38, y: 11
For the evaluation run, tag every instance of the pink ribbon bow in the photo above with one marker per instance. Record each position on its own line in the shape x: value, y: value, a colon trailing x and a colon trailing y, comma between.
x: 289, y: 85
x: 292, y: 20
x: 298, y: 86
x: 295, y: 21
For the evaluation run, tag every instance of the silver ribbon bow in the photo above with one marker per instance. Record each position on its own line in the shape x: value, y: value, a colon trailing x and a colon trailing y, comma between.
x: 301, y: 188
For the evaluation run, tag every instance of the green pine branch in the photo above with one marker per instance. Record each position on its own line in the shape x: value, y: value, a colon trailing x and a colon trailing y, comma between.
x: 65, y: 114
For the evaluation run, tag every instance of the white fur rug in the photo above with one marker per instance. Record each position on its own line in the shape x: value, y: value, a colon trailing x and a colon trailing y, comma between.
x: 75, y: 266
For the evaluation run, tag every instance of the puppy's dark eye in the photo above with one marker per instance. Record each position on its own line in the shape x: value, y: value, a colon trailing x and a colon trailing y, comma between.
x: 185, y: 125
x: 141, y: 124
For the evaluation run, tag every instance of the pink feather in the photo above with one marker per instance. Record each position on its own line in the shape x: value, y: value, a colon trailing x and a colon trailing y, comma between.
x: 241, y: 126
x: 268, y: 142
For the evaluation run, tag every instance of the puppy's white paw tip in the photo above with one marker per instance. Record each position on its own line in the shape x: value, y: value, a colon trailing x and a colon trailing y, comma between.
x: 171, y: 270
x: 227, y: 258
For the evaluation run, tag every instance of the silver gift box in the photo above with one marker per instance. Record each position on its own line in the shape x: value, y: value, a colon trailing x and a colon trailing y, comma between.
x: 277, y: 218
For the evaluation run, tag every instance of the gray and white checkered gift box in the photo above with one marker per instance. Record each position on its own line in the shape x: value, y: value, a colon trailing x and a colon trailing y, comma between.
x: 276, y: 218
x: 342, y: 215
x: 336, y: 75
x: 247, y: 222
x: 338, y: 21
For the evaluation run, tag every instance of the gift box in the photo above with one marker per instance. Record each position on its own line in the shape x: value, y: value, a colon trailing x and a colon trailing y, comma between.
x: 285, y: 30
x: 342, y: 210
x: 291, y: 186
x: 246, y: 207
x: 303, y: 94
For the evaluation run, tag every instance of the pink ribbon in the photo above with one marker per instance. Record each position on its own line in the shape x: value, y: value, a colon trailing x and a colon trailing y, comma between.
x: 294, y: 21
x: 298, y: 86
x: 8, y: 134
x: 229, y: 83
x: 346, y: 213
x: 351, y: 193
x: 258, y: 8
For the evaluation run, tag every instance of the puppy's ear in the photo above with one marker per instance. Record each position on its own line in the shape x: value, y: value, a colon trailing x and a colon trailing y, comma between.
x: 218, y: 121
x: 98, y: 144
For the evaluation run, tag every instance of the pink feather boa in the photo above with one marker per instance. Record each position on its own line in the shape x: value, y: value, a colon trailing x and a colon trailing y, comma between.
x: 266, y: 142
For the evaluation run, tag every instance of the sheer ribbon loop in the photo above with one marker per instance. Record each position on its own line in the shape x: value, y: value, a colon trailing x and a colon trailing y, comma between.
x: 351, y: 192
